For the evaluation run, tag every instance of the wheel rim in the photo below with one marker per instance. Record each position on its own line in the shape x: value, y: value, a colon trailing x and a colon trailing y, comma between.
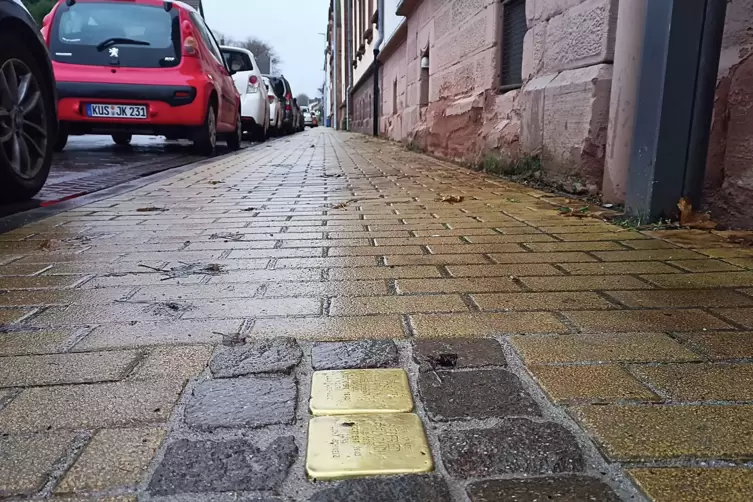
x: 23, y: 133
x: 212, y: 129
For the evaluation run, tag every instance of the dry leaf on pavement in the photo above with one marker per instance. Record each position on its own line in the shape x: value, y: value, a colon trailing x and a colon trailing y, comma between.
x: 691, y: 219
x: 452, y: 199
x: 151, y: 209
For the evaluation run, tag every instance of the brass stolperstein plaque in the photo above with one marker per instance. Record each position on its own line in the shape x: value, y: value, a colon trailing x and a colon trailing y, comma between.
x: 349, y: 446
x: 360, y: 391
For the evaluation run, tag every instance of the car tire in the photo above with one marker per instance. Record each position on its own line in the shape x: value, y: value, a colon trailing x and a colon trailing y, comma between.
x: 23, y: 179
x: 122, y: 139
x: 60, y: 141
x: 235, y: 138
x: 205, y: 138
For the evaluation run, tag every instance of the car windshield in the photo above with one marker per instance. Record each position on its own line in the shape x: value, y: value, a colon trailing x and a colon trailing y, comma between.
x: 278, y: 85
x: 125, y: 34
x: 237, y: 60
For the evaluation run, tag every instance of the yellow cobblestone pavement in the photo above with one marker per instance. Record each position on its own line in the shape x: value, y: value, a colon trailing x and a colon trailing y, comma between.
x: 109, y: 309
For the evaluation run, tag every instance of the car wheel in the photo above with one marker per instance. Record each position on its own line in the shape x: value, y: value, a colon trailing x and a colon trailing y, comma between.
x: 27, y: 122
x: 122, y: 139
x: 60, y: 141
x: 206, y: 136
x: 234, y: 138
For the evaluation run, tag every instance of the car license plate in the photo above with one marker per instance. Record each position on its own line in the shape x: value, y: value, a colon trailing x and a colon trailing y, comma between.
x: 116, y: 111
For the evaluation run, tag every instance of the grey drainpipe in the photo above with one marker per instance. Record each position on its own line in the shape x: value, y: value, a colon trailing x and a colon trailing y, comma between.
x: 377, y: 47
x: 349, y: 59
x: 335, y: 75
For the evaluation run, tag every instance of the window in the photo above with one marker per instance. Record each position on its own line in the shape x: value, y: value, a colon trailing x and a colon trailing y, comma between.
x: 513, y: 32
x: 394, y: 96
x: 207, y: 37
x: 238, y: 60
x: 423, y: 79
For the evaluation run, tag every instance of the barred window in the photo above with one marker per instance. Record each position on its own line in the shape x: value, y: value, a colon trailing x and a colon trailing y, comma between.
x: 513, y: 32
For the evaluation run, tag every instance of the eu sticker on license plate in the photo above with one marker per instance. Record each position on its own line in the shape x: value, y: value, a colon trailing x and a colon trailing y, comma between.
x: 116, y: 111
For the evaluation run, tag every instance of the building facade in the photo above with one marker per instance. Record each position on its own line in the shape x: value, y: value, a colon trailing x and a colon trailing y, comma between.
x: 465, y: 79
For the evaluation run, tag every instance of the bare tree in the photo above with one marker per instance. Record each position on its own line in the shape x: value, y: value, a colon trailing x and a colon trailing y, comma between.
x: 303, y: 99
x: 265, y: 55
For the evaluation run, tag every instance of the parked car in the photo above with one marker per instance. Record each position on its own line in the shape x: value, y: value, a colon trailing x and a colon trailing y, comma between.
x: 275, y: 109
x: 314, y: 120
x: 141, y: 67
x: 250, y: 84
x: 290, y: 112
x: 28, y: 114
x: 307, y: 116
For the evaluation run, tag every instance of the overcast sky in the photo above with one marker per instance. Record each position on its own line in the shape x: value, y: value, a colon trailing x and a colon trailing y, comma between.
x: 290, y: 26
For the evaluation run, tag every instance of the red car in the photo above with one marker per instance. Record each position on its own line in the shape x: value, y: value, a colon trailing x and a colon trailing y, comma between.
x: 140, y: 67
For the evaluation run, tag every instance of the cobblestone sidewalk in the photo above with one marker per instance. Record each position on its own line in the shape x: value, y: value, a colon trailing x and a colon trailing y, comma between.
x: 160, y: 344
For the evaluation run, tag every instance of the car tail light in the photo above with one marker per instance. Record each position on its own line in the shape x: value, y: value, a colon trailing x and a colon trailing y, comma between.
x: 253, y: 84
x: 271, y: 98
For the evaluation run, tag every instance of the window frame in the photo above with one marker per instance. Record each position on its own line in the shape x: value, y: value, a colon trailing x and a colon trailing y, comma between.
x: 502, y: 88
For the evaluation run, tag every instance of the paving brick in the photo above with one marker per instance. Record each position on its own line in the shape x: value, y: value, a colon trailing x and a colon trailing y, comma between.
x: 602, y: 383
x: 352, y: 355
x: 680, y: 299
x: 475, y: 325
x: 447, y: 285
x: 442, y: 249
x: 242, y: 402
x: 648, y: 244
x: 377, y: 251
x: 223, y: 466
x: 37, y: 297
x: 158, y: 333
x: 721, y: 345
x: 584, y: 283
x: 273, y: 355
x: 642, y: 433
x: 705, y: 266
x: 39, y: 282
x: 56, y: 369
x: 703, y: 280
x: 645, y: 320
x: 515, y: 446
x: 571, y: 257
x: 746, y: 263
x: 444, y: 259
x: 510, y: 239
x: 701, y: 382
x: 454, y: 395
x: 228, y: 308
x: 104, y: 405
x: 742, y: 316
x: 409, y: 272
x: 387, y: 489
x: 199, y: 291
x: 331, y: 329
x: 526, y: 269
x: 114, y: 458
x: 275, y: 253
x: 9, y: 316
x: 173, y: 363
x: 28, y: 460
x: 252, y: 276
x: 330, y: 288
x: 457, y: 353
x: 21, y: 343
x: 396, y: 305
x: 650, y: 255
x: 638, y: 347
x: 695, y: 484
x: 542, y: 301
x: 329, y: 262
x: 572, y: 488
x: 617, y: 268
x: 553, y: 247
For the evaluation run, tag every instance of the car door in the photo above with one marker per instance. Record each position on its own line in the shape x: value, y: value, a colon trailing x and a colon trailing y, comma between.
x: 220, y: 75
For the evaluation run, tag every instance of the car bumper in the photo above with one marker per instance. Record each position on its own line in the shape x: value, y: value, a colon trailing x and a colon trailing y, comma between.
x: 252, y: 107
x: 166, y: 105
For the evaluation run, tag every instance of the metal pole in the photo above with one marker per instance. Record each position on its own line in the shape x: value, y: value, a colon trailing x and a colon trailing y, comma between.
x: 335, y: 76
x: 348, y: 59
x: 674, y: 103
x: 377, y: 48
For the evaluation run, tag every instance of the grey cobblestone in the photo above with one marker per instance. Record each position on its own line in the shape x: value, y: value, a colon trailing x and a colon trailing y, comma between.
x: 350, y: 355
x: 561, y: 489
x: 278, y: 355
x: 387, y: 489
x: 457, y: 353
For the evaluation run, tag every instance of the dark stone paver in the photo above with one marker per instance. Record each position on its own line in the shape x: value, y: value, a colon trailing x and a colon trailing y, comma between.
x: 277, y: 355
x: 451, y: 395
x: 389, y: 489
x: 458, y: 353
x: 242, y: 402
x: 518, y: 446
x: 214, y: 466
x: 560, y: 488
x: 358, y: 354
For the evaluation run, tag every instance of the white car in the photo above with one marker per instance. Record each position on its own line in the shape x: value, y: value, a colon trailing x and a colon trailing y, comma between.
x: 248, y: 80
x: 307, y: 119
x: 275, y: 109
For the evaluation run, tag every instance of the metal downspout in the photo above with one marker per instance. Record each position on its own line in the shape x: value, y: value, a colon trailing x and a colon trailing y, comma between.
x: 377, y: 47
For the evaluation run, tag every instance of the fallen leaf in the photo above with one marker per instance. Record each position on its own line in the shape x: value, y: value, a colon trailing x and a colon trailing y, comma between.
x: 511, y: 200
x: 452, y: 199
x: 215, y: 182
x: 47, y: 245
x: 249, y: 209
x: 151, y: 209
x: 691, y: 219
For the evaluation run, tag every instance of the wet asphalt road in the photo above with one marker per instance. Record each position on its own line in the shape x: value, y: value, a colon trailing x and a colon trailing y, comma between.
x: 92, y: 163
